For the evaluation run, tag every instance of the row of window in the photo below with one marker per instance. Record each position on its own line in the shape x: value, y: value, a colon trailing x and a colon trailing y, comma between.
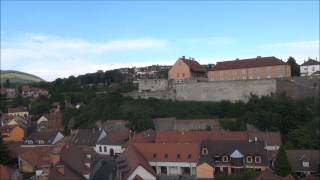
x: 225, y: 159
x: 178, y: 156
x: 37, y: 141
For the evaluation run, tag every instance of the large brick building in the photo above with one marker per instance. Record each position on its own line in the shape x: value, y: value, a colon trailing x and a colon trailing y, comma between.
x: 255, y: 68
x: 187, y: 69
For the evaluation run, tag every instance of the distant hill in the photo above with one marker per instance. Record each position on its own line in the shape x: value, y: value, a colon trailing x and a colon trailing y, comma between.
x: 18, y: 77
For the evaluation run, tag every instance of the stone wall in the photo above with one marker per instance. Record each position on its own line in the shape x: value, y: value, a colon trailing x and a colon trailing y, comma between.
x: 224, y: 90
x: 240, y: 90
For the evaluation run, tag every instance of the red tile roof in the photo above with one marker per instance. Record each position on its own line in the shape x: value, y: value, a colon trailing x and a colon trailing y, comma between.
x: 168, y: 152
x: 229, y: 135
x: 130, y: 159
x: 248, y: 63
x: 181, y: 136
x: 5, y: 172
x: 147, y: 136
x: 310, y: 62
x: 194, y: 65
x: 54, y: 120
x: 17, y: 109
x: 35, y: 155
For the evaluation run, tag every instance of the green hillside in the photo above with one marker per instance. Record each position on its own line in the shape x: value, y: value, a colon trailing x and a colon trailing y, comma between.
x: 18, y: 77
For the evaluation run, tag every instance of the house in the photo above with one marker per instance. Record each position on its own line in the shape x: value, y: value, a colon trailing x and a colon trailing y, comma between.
x: 87, y: 137
x: 13, y: 132
x: 230, y: 157
x: 132, y: 165
x: 52, y: 121
x: 30, y: 159
x: 7, y: 173
x: 246, y: 69
x: 18, y: 111
x: 42, y: 138
x: 28, y: 91
x: 184, y: 69
x: 310, y: 67
x: 304, y: 162
x: 10, y: 93
x: 112, y: 144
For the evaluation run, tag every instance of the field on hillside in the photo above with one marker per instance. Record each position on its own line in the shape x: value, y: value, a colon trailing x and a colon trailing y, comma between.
x: 19, y: 77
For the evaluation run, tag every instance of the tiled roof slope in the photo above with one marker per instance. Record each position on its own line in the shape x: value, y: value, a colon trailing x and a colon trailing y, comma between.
x: 194, y: 65
x: 296, y: 157
x: 168, y: 152
x: 181, y: 137
x: 310, y: 62
x: 248, y: 63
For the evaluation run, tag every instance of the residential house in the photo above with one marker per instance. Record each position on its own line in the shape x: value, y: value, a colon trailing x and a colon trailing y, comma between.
x: 52, y: 121
x: 10, y: 93
x: 87, y: 137
x: 184, y: 69
x: 230, y: 157
x: 42, y: 138
x: 132, y: 165
x: 112, y: 144
x: 18, y: 112
x: 246, y: 69
x: 28, y: 91
x: 7, y: 173
x: 13, y: 132
x: 304, y: 162
x: 310, y: 67
x: 30, y: 159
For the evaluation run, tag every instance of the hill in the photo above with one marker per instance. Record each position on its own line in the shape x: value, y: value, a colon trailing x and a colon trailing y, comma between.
x: 18, y: 77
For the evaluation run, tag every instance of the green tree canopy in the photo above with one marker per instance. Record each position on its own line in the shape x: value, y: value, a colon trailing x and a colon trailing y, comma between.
x: 282, y: 166
x: 5, y: 157
x: 295, y: 68
x: 139, y: 122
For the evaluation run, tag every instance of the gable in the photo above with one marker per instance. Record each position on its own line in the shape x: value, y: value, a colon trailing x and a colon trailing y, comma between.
x: 179, y: 66
x: 141, y: 172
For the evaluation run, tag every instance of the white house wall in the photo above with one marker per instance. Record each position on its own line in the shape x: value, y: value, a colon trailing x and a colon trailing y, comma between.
x: 174, y: 168
x: 116, y: 148
x: 308, y: 70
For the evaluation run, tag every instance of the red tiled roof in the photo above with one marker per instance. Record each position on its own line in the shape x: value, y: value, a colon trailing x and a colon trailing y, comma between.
x: 269, y: 175
x: 35, y: 155
x: 248, y: 63
x: 17, y: 109
x: 54, y: 120
x: 271, y: 138
x: 194, y: 65
x: 5, y: 172
x: 229, y: 135
x: 130, y: 159
x: 181, y: 136
x: 146, y: 136
x: 310, y: 62
x: 115, y: 137
x: 169, y: 152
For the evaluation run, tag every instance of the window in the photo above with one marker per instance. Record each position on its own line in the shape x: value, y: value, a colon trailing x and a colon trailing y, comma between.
x: 105, y: 148
x: 313, y: 68
x: 305, y: 69
x: 166, y: 156
x: 249, y: 159
x: 257, y: 159
x: 217, y: 158
x: 189, y: 156
x: 305, y: 164
x: 182, y: 74
x: 178, y: 156
x: 178, y: 74
x: 154, y: 155
x: 225, y: 158
x: 204, y: 151
x: 100, y: 148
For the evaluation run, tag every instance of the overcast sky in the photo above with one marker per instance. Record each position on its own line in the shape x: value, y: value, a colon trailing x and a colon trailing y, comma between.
x: 57, y: 39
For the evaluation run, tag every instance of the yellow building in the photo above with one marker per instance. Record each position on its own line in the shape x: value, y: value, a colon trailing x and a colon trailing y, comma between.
x: 187, y: 69
x: 255, y: 68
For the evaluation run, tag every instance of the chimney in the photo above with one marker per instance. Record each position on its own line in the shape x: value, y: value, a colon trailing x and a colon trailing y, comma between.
x: 60, y: 168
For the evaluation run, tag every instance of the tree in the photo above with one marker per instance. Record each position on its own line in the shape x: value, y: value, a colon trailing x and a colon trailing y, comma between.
x: 139, y: 122
x: 5, y: 158
x: 295, y: 68
x: 282, y: 166
x: 7, y: 84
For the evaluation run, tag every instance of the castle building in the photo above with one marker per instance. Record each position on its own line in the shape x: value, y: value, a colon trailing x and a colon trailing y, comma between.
x: 187, y: 69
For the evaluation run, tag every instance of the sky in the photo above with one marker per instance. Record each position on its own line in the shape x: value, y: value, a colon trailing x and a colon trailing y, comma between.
x: 55, y: 39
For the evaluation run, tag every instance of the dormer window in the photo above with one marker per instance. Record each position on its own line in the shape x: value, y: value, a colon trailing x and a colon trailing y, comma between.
x: 204, y: 151
x: 257, y: 159
x: 40, y: 142
x: 166, y: 156
x: 305, y: 164
x: 189, y: 156
x: 154, y: 155
x: 225, y: 159
x: 178, y: 156
x: 249, y: 159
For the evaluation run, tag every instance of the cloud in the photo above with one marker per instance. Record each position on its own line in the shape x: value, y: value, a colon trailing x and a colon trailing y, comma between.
x: 51, y: 56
